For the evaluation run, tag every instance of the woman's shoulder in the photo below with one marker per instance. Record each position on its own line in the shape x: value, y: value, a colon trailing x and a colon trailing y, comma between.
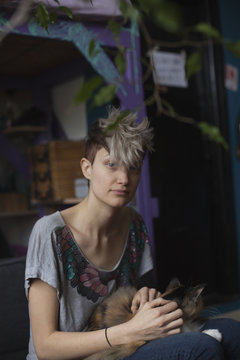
x: 48, y: 223
x: 135, y: 215
x: 43, y: 235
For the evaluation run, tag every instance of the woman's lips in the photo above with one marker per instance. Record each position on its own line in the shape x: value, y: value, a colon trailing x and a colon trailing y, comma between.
x: 120, y: 192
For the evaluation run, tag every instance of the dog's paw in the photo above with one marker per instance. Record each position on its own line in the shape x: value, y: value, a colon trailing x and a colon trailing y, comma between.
x: 214, y: 333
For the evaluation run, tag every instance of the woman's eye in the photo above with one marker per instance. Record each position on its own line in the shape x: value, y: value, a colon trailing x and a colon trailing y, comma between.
x: 135, y: 169
x: 111, y: 165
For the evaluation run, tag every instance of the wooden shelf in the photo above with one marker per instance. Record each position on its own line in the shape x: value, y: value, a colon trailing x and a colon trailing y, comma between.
x: 19, y: 213
x: 72, y: 200
x: 59, y: 202
x: 23, y: 130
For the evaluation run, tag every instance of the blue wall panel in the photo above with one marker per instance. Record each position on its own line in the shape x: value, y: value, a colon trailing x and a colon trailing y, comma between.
x: 230, y: 26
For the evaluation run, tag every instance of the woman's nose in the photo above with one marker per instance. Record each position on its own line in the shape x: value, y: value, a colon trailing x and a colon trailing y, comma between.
x: 123, y: 175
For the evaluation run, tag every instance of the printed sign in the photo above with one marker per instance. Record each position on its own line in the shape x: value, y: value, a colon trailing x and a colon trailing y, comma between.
x: 169, y: 69
x: 231, y: 77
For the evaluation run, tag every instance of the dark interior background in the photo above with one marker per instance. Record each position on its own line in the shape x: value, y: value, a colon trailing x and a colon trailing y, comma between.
x: 191, y: 176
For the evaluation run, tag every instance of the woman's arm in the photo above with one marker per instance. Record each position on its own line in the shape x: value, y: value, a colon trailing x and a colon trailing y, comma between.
x: 157, y: 318
x: 52, y: 344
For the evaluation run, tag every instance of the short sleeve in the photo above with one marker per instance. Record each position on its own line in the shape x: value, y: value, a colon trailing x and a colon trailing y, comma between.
x: 42, y: 260
x: 146, y: 263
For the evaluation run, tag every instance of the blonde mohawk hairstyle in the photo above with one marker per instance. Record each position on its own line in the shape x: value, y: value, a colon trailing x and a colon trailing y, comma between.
x: 128, y: 140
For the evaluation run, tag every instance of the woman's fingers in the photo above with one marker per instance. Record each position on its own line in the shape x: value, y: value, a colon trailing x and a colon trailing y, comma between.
x: 171, y: 321
x: 136, y: 302
x: 164, y: 312
x: 174, y: 327
x: 159, y: 301
x: 143, y: 296
x: 174, y: 331
x: 169, y: 315
x: 153, y: 294
x: 157, y: 318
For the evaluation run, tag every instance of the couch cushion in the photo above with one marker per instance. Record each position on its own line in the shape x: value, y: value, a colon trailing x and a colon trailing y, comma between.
x: 17, y: 355
x: 14, y: 324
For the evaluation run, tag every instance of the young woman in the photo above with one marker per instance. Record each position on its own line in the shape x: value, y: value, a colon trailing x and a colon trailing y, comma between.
x: 78, y: 256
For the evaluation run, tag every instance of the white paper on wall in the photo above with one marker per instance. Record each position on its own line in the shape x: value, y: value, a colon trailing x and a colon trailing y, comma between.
x: 231, y: 77
x: 169, y: 68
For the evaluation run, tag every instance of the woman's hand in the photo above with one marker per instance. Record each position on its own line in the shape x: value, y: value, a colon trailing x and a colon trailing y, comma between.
x: 143, y: 295
x: 155, y: 319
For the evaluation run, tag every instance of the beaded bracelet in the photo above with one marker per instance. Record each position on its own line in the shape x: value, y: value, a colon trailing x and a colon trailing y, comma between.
x: 107, y: 337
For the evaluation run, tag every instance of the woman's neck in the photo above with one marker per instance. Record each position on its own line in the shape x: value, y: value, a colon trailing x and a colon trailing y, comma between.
x: 100, y: 233
x: 98, y: 223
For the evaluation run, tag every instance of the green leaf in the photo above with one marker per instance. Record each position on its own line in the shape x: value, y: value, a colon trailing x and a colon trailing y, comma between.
x: 42, y: 16
x: 123, y: 6
x: 233, y: 47
x: 56, y: 1
x: 169, y: 107
x: 92, y: 48
x: 213, y: 133
x: 115, y: 28
x: 144, y: 6
x: 66, y: 11
x: 208, y: 29
x: 129, y: 11
x: 169, y: 16
x: 104, y: 95
x: 133, y: 13
x: 193, y: 64
x: 120, y: 62
x: 53, y: 17
x: 113, y: 126
x: 87, y: 89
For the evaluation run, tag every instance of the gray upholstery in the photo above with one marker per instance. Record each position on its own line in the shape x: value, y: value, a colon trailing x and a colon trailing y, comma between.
x: 14, y: 319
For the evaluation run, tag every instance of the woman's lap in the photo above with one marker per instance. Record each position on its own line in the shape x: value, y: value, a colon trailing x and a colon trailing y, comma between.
x: 185, y: 346
x: 230, y: 330
x: 195, y: 345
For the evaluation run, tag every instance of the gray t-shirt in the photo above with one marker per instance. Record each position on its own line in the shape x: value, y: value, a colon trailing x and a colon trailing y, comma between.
x: 55, y: 258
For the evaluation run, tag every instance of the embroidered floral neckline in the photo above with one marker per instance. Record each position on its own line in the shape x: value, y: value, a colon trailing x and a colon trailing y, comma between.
x: 90, y: 281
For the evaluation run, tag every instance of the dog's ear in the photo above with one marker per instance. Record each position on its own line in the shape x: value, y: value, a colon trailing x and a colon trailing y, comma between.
x: 174, y: 283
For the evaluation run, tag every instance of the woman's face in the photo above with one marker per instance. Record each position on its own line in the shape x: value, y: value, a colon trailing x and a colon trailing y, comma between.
x: 112, y: 183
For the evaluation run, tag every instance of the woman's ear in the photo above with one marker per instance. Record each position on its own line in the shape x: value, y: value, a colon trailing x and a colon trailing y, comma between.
x: 86, y: 167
